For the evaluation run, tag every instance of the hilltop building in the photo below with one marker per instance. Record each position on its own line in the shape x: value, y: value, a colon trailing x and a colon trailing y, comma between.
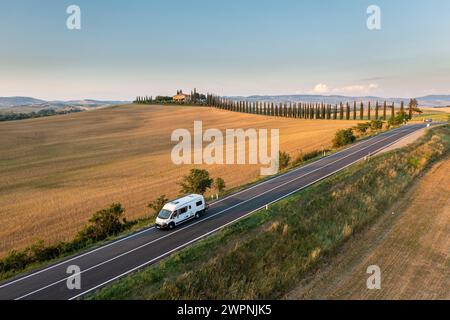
x: 181, y: 97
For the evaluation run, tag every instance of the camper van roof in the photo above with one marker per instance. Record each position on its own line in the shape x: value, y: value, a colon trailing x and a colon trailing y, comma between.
x: 181, y: 201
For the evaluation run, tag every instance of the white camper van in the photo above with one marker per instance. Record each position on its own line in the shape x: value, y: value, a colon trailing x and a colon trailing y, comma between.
x: 181, y: 210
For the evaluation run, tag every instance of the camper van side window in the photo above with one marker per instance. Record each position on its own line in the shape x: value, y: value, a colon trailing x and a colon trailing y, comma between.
x: 183, y: 210
x: 199, y: 204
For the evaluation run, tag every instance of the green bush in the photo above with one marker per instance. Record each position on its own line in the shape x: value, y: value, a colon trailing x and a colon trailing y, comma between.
x: 362, y: 127
x: 219, y: 185
x: 376, y: 124
x: 399, y: 119
x: 105, y: 223
x: 284, y: 160
x: 343, y: 137
x: 304, y: 157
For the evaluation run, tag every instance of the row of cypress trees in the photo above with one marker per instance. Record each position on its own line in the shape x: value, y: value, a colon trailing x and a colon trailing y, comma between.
x: 339, y: 111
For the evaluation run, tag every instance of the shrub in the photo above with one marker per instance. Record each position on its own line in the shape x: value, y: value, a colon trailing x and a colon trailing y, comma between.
x: 303, y: 157
x: 400, y: 118
x: 158, y: 204
x: 362, y: 127
x: 284, y: 160
x: 219, y: 185
x: 343, y: 137
x: 104, y: 223
x: 376, y: 124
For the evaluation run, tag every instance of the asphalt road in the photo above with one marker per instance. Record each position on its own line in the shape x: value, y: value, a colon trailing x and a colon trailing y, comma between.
x: 119, y: 258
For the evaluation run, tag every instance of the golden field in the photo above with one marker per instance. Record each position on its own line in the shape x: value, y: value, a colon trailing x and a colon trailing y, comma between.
x: 56, y: 172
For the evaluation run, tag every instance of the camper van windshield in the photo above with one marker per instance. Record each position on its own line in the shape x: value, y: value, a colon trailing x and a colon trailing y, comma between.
x: 164, y: 214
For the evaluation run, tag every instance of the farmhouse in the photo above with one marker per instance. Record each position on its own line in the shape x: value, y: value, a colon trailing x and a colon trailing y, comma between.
x: 181, y: 97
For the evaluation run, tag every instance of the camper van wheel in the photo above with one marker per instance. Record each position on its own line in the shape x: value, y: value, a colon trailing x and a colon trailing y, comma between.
x: 171, y: 226
x: 197, y: 215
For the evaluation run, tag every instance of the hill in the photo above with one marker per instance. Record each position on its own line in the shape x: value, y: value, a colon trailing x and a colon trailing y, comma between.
x: 28, y: 104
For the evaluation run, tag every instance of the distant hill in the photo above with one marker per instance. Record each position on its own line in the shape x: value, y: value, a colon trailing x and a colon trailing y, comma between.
x: 17, y: 104
x: 429, y: 101
x: 8, y: 102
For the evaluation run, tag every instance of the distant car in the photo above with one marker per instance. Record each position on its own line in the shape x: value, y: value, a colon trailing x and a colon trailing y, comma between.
x: 181, y: 210
x: 428, y: 120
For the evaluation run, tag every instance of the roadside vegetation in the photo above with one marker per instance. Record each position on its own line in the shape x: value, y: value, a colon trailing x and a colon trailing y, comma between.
x: 104, y: 224
x: 267, y: 254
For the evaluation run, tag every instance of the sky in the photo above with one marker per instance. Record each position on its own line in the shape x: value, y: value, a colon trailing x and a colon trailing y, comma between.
x: 232, y: 47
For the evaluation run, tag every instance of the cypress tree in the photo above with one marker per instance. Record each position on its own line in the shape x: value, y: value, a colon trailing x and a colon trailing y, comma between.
x: 393, y: 110
x: 354, y: 110
x: 341, y: 111
x: 410, y: 113
x: 402, y: 108
x: 368, y: 110
x: 384, y: 110
x: 361, y: 111
x: 347, y: 113
x: 376, y: 110
x: 328, y: 111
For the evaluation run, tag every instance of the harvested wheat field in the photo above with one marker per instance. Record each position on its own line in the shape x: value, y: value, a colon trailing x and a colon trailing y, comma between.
x: 56, y: 172
x: 411, y: 245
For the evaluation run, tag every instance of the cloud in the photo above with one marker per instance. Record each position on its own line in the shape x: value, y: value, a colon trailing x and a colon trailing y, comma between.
x: 356, y: 89
x: 321, y: 88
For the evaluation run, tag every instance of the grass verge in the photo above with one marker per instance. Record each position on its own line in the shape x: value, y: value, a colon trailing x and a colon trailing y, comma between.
x: 266, y: 254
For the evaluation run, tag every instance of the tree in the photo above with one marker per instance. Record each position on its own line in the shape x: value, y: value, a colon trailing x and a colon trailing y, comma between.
x: 343, y: 137
x: 104, y: 223
x: 376, y: 110
x: 361, y: 111
x: 413, y: 107
x: 376, y: 124
x: 362, y: 127
x: 284, y: 160
x: 219, y: 185
x: 158, y: 204
x: 198, y: 181
x: 398, y: 119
